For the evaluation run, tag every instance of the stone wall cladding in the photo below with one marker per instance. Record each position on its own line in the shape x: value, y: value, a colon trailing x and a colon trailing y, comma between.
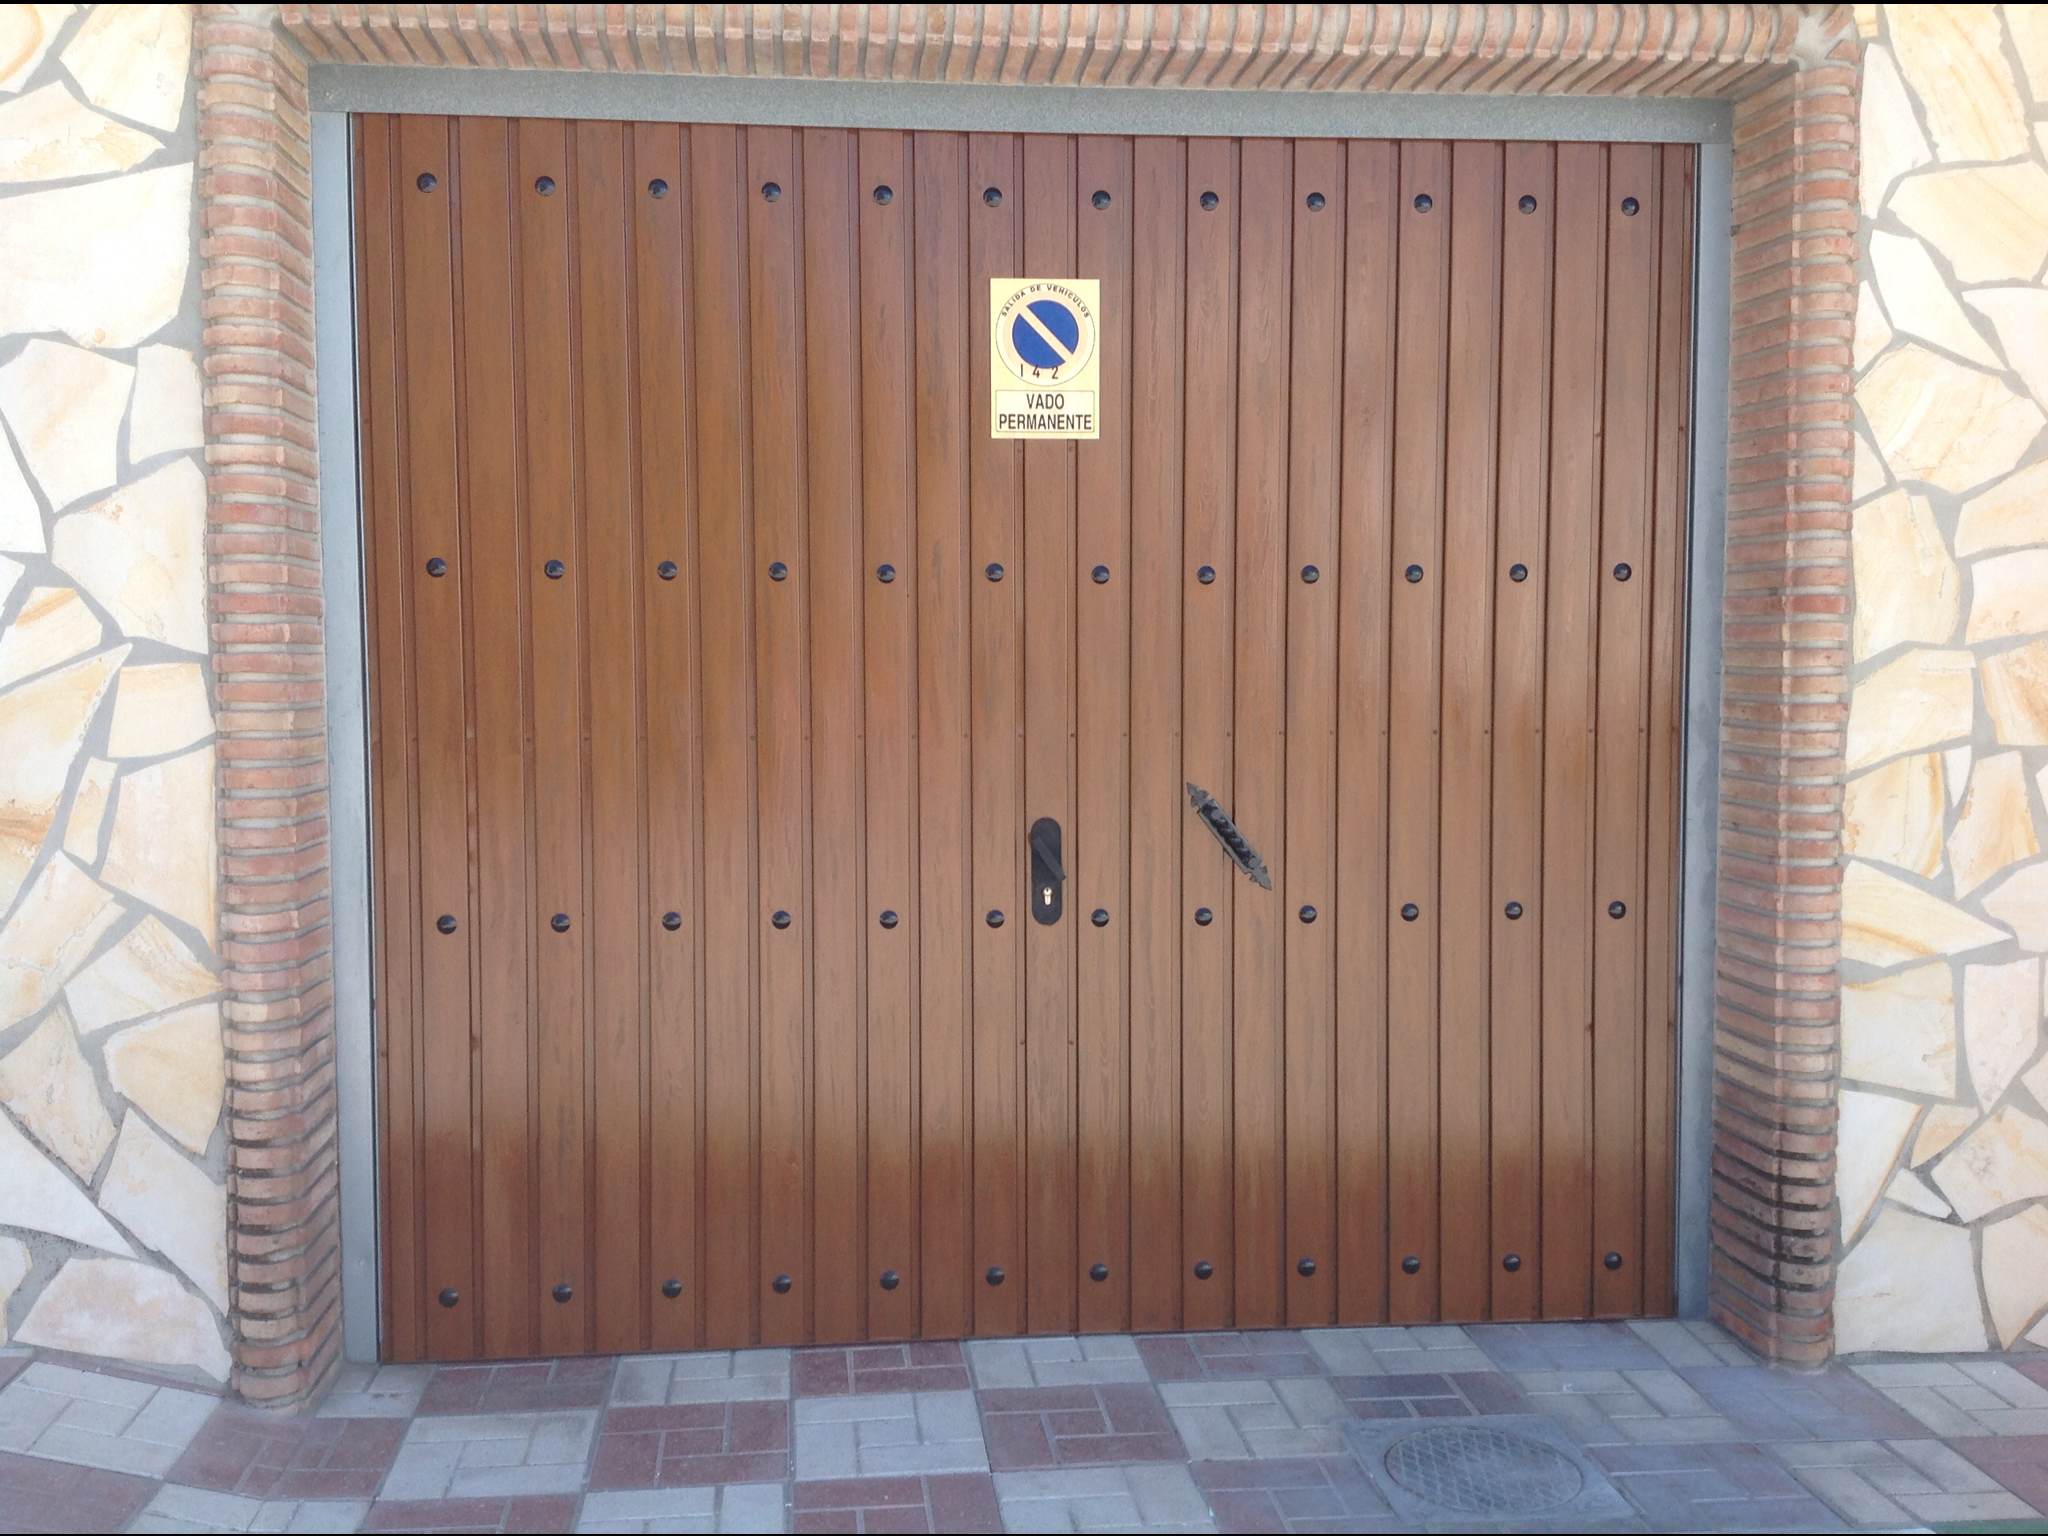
x: 113, y: 1210
x: 1944, y: 1112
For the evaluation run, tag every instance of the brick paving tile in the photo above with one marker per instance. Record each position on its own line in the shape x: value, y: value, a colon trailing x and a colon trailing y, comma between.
x: 691, y: 1444
x: 1154, y: 1496
x: 919, y: 1367
x: 41, y: 1495
x: 2018, y: 1462
x: 185, y: 1509
x: 1429, y: 1396
x: 1565, y: 1346
x: 1228, y: 1356
x: 523, y: 1512
x: 529, y: 1387
x: 1714, y: 1487
x: 2035, y: 1368
x: 1769, y: 1405
x: 1076, y: 1426
x: 888, y: 1434
x: 266, y: 1455
x: 1297, y: 1493
x: 950, y: 1501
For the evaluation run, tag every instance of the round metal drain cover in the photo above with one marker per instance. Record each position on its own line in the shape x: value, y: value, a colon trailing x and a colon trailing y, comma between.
x: 1483, y: 1471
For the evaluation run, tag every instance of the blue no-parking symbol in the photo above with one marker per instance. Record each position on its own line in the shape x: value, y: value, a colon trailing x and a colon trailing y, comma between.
x: 1046, y: 333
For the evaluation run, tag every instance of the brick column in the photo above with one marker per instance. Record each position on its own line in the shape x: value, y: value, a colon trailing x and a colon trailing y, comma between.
x: 256, y: 250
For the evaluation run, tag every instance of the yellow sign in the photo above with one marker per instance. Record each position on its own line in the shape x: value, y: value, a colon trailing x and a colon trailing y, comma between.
x: 1042, y: 359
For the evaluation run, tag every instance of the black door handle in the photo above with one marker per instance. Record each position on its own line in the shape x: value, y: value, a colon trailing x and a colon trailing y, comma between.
x: 1048, y: 874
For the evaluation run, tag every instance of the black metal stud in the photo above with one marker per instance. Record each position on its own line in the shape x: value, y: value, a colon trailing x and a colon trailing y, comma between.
x: 994, y: 1275
x: 1209, y: 201
x: 1518, y: 572
x: 1612, y: 1261
x: 1204, y: 1269
x: 782, y: 1283
x: 993, y: 570
x: 666, y: 570
x: 1513, y: 910
x: 1311, y: 575
x: 1099, y: 917
x: 993, y: 196
x: 1629, y: 206
x: 1100, y: 575
x: 671, y: 921
x: 889, y: 919
x: 427, y: 181
x: 563, y: 1292
x: 1617, y: 909
x: 445, y: 922
x: 1100, y: 199
x: 1410, y: 911
x: 449, y: 1297
x: 1622, y: 572
x: 1424, y: 202
x: 559, y: 922
x: 995, y: 919
x: 1315, y: 202
x: 1204, y: 917
x: 771, y: 191
x: 779, y: 918
x: 1308, y: 914
x: 1411, y: 1265
x: 545, y: 186
x: 1206, y: 575
x: 437, y: 566
x: 1098, y: 1273
x: 1305, y: 1268
x: 884, y: 193
x: 671, y: 1288
x: 554, y: 570
x: 777, y: 571
x: 1527, y: 204
x: 1511, y: 1263
x: 657, y: 188
x: 890, y: 1279
x: 885, y: 574
x: 1413, y: 573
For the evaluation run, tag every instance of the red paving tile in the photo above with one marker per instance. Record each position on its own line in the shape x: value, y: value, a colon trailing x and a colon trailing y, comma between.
x: 39, y: 1495
x: 916, y: 1367
x: 692, y: 1445
x: 1076, y: 1426
x: 529, y: 1512
x: 1290, y: 1493
x: 527, y: 1387
x: 1228, y: 1356
x: 277, y: 1456
x: 964, y: 1502
x: 2019, y: 1462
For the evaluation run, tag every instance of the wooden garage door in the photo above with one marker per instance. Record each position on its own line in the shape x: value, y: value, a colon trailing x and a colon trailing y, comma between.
x: 722, y: 663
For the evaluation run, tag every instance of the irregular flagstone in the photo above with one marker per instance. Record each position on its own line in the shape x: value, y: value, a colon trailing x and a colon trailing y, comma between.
x: 1891, y: 142
x: 1908, y: 1285
x: 1938, y: 1132
x: 1957, y: 762
x: 13, y: 1270
x: 166, y: 416
x: 1942, y: 423
x: 1991, y: 222
x: 10, y: 576
x: 1874, y: 1128
x: 158, y: 710
x: 1873, y: 331
x: 1916, y: 1194
x: 170, y: 1206
x: 162, y: 848
x: 122, y: 1310
x: 89, y: 811
x: 48, y: 135
x: 54, y: 625
x: 1908, y: 587
x: 174, y: 1069
x: 2016, y: 694
x: 65, y: 273
x: 1899, y: 1031
x: 2008, y: 596
x: 2028, y: 25
x: 26, y: 32
x: 133, y: 60
x: 1868, y: 475
x: 1995, y: 828
x: 1886, y: 921
x: 1918, y: 301
x: 141, y: 553
x: 2035, y: 1081
x: 148, y: 971
x: 2020, y: 902
x: 2020, y: 317
x: 1918, y: 700
x: 43, y: 723
x: 1953, y: 56
x: 2003, y: 516
x: 1893, y: 813
x: 2003, y: 1161
x: 21, y: 520
x: 64, y: 407
x: 2001, y: 1024
x: 63, y: 915
x: 46, y: 1082
x: 36, y: 1196
x: 2016, y: 1272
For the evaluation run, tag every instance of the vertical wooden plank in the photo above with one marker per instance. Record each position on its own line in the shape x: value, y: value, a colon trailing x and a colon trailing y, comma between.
x: 400, y: 929
x: 1413, y: 1059
x: 1372, y: 220
x: 995, y: 472
x: 1620, y: 742
x: 432, y: 491
x: 1517, y: 843
x: 1569, y: 576
x: 833, y: 478
x: 1099, y: 858
x: 729, y: 573
x: 1666, y: 718
x: 949, y: 1099
x: 554, y: 663
x: 494, y: 556
x: 781, y: 683
x: 1470, y: 437
x: 1046, y: 644
x: 1153, y: 917
x: 888, y: 509
x: 618, y: 1306
x: 1209, y: 879
x: 1309, y: 862
x: 657, y: 192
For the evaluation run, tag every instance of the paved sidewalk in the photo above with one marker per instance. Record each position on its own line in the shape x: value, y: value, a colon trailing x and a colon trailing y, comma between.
x: 1649, y: 1426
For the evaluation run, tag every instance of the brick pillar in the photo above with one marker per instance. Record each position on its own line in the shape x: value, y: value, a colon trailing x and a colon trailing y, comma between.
x: 256, y: 275
x: 1785, y: 708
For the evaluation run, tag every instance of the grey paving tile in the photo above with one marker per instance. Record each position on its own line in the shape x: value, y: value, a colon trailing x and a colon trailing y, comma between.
x: 178, y: 1508
x: 885, y: 1434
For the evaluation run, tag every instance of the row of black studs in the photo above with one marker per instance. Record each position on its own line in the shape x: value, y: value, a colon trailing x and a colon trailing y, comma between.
x: 668, y: 570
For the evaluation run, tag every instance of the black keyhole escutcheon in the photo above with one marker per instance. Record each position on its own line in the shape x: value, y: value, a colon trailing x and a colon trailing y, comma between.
x: 1048, y: 875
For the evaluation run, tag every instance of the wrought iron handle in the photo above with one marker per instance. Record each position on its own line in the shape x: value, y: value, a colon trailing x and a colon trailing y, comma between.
x: 1048, y: 874
x: 1234, y: 842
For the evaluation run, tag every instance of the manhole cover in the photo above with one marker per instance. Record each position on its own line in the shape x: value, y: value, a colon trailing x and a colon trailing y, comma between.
x: 1483, y: 1471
